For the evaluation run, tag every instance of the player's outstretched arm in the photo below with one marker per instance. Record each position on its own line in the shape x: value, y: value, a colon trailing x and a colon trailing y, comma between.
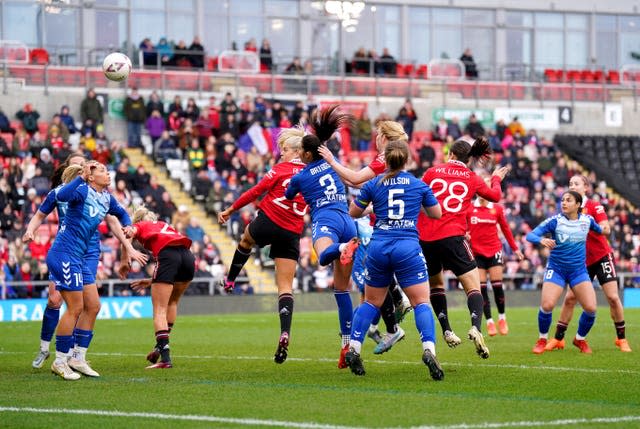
x: 34, y: 223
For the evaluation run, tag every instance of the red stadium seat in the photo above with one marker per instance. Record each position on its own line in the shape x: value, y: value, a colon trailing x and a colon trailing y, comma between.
x: 613, y: 76
x: 422, y: 71
x: 38, y: 56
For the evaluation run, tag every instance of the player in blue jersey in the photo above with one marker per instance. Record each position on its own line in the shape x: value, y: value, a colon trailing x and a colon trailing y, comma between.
x: 88, y: 202
x: 333, y: 230
x: 83, y: 331
x: 397, y: 199
x: 566, y: 265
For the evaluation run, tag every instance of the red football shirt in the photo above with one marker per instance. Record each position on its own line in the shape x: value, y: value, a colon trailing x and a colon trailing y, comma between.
x: 454, y: 185
x: 597, y: 244
x: 157, y: 235
x: 287, y: 214
x: 378, y: 165
x: 483, y: 228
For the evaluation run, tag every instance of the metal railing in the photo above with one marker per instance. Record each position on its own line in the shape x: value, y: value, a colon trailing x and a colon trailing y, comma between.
x: 113, y: 287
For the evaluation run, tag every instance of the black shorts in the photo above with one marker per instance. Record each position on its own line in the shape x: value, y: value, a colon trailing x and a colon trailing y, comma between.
x: 451, y: 253
x: 284, y: 243
x: 486, y: 262
x: 174, y: 264
x: 604, y: 270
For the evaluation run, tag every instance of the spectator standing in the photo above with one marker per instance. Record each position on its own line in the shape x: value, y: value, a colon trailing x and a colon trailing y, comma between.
x: 470, y: 69
x: 474, y: 128
x: 29, y: 118
x: 196, y: 53
x: 454, y: 130
x: 91, y: 109
x: 266, y: 60
x: 192, y: 111
x: 181, y: 57
x: 363, y: 129
x: 388, y: 62
x: 516, y: 127
x: 67, y: 119
x: 149, y: 53
x: 165, y: 52
x: 5, y: 125
x: 295, y: 66
x: 407, y: 117
x: 155, y: 125
x: 155, y: 103
x: 135, y: 113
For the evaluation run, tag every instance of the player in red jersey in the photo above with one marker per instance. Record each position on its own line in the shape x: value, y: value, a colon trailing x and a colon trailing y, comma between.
x: 279, y: 223
x: 443, y: 240
x: 600, y: 264
x: 392, y: 311
x: 175, y: 267
x: 484, y: 218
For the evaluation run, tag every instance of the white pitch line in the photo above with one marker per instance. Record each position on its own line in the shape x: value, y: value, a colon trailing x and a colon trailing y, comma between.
x: 311, y: 425
x: 384, y: 362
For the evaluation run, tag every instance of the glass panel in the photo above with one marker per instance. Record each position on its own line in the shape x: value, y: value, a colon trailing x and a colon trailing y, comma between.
x: 388, y: 14
x: 606, y: 22
x: 577, y: 22
x: 20, y: 22
x: 478, y: 17
x: 215, y: 39
x: 325, y: 45
x: 245, y: 7
x: 61, y: 34
x: 181, y: 27
x: 366, y: 32
x: 442, y: 16
x: 519, y: 46
x: 419, y: 16
x: 147, y: 4
x: 111, y: 30
x: 629, y: 43
x: 481, y: 42
x: 577, y: 49
x: 245, y: 28
x: 629, y: 23
x: 120, y: 3
x: 549, y: 49
x: 283, y: 37
x: 606, y: 53
x: 519, y: 19
x: 447, y: 42
x: 549, y: 20
x: 281, y: 8
x: 184, y: 5
x: 389, y: 37
x: 419, y: 48
x: 148, y: 24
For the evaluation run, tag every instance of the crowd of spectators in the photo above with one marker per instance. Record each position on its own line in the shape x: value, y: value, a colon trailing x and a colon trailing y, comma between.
x: 229, y: 146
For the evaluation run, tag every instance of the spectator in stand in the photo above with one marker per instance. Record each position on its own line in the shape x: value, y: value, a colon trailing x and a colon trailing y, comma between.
x: 203, y: 126
x: 362, y: 132
x: 194, y: 231
x: 516, y: 127
x: 266, y: 61
x: 474, y: 128
x: 135, y: 114
x: 90, y: 108
x: 155, y: 125
x: 196, y: 53
x: 213, y: 111
x: 453, y: 129
x: 374, y: 60
x: 155, y: 103
x: 5, y: 150
x: 141, y: 179
x: 45, y: 163
x: 67, y: 120
x: 176, y: 106
x: 502, y: 130
x: 407, y: 117
x: 440, y: 130
x: 181, y: 57
x: 5, y: 124
x: 165, y: 147
x: 29, y: 118
x: 192, y: 111
x: 251, y: 45
x: 63, y: 131
x: 155, y: 189
x: 102, y: 154
x: 360, y: 61
x: 149, y: 53
x: 203, y: 274
x: 230, y: 126
x: 470, y: 69
x: 195, y: 155
x: 388, y: 63
x: 295, y: 66
x: 55, y: 140
x: 165, y: 52
x: 21, y: 144
x: 228, y: 106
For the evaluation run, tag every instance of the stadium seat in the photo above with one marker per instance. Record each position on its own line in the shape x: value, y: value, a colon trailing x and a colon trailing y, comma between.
x: 613, y: 77
x: 421, y: 72
x: 38, y: 56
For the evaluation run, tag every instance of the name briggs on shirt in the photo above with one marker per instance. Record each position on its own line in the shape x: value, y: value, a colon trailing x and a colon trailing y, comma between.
x: 320, y: 168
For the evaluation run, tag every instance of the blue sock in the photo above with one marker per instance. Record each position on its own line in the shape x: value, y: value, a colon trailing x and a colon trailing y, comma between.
x: 585, y: 323
x: 330, y: 254
x: 376, y: 319
x: 64, y: 343
x: 424, y: 322
x: 49, y: 322
x: 361, y: 321
x: 345, y: 311
x: 544, y: 321
x: 83, y: 337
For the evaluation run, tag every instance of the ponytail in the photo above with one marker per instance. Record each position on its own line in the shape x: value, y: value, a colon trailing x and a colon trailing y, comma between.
x: 479, y: 149
x: 396, y: 155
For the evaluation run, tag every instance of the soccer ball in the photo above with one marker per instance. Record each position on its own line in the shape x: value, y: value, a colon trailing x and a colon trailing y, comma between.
x: 116, y: 66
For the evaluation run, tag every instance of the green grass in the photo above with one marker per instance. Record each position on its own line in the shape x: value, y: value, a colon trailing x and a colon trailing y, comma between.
x: 224, y: 369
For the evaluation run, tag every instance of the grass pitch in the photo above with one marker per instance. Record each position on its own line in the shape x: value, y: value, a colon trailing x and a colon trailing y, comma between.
x: 224, y: 376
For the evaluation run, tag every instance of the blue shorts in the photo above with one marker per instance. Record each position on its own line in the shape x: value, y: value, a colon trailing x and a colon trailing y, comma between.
x: 358, y: 270
x: 336, y: 225
x: 402, y: 257
x: 561, y: 276
x: 65, y: 272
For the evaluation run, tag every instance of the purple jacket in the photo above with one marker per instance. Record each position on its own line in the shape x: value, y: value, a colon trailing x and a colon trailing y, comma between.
x: 155, y: 126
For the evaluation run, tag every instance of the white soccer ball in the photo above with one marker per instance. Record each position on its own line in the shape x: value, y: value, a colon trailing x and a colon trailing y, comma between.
x: 116, y: 66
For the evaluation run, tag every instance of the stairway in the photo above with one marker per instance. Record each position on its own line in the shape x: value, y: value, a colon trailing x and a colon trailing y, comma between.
x: 263, y: 281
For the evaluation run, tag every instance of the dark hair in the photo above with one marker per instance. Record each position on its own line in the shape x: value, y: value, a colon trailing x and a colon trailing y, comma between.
x: 56, y: 177
x: 327, y: 121
x: 396, y: 155
x: 479, y: 149
x: 311, y: 143
x: 577, y: 197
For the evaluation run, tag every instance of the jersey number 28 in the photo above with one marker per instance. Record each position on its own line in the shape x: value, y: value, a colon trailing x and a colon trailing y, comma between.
x: 455, y: 194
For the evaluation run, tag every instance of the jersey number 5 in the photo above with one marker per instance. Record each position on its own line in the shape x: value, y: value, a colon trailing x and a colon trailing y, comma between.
x: 393, y: 203
x: 455, y: 194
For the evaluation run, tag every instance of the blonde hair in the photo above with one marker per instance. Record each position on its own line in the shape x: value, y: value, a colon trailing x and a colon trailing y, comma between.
x: 396, y: 155
x: 292, y: 137
x: 392, y: 131
x: 143, y: 213
x: 71, y: 172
